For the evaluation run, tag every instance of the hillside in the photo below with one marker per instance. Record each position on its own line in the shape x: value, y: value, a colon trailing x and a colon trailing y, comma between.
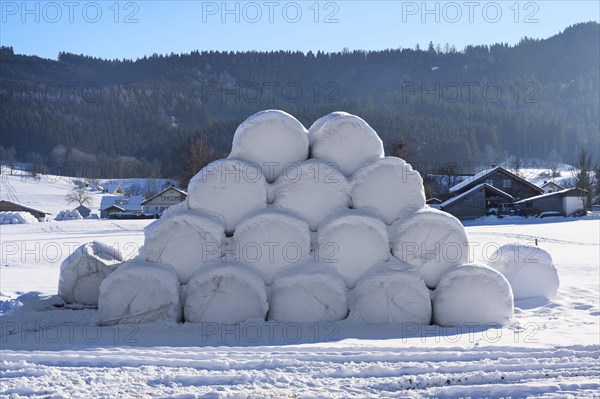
x: 449, y: 105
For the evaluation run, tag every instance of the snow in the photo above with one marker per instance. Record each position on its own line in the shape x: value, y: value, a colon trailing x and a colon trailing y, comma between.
x: 270, y: 240
x: 318, y: 124
x: 308, y: 293
x: 225, y: 293
x: 346, y: 141
x: 68, y: 215
x: 528, y: 268
x: 471, y: 179
x: 273, y: 139
x: 352, y: 241
x: 185, y: 240
x: 390, y: 186
x: 431, y: 241
x: 313, y: 189
x: 82, y: 272
x: 230, y: 188
x: 391, y: 293
x: 473, y: 295
x: 17, y: 218
x: 473, y: 189
x: 139, y: 292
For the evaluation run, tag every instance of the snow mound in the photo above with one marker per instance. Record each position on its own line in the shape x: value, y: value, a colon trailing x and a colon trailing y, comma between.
x: 473, y: 294
x: 347, y: 141
x: 352, y: 241
x: 68, y: 215
x: 391, y: 293
x: 318, y: 124
x: 139, y: 292
x: 230, y: 188
x: 82, y: 272
x: 306, y: 293
x: 432, y: 242
x: 17, y: 218
x: 225, y: 293
x: 390, y: 186
x: 270, y: 240
x: 529, y: 270
x: 313, y: 189
x: 273, y: 139
x: 185, y: 240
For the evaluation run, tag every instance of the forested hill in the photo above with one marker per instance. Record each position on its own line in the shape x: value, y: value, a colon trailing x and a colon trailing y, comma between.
x: 538, y: 99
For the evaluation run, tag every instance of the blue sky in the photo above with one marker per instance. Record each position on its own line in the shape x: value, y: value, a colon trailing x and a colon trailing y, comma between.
x: 131, y: 29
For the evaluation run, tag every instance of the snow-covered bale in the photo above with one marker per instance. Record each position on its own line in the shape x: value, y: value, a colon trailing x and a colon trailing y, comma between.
x: 347, y: 141
x: 529, y: 270
x: 68, y: 215
x: 82, y: 272
x: 432, y: 242
x: 182, y: 206
x: 352, y: 241
x: 230, y: 188
x: 307, y: 293
x: 270, y: 240
x: 185, y: 240
x: 272, y: 139
x: 391, y: 293
x: 473, y: 294
x: 313, y: 189
x: 139, y: 292
x: 17, y: 218
x: 225, y: 293
x: 318, y: 124
x: 390, y: 186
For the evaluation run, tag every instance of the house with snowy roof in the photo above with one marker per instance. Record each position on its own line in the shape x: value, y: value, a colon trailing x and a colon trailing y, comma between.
x: 486, y: 192
x: 114, y: 204
x: 551, y: 187
x: 158, y: 203
x: 565, y: 202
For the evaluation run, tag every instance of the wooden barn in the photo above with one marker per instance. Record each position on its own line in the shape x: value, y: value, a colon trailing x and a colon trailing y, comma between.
x: 8, y: 206
x: 480, y: 200
x: 158, y: 203
x: 501, y: 179
x: 565, y: 202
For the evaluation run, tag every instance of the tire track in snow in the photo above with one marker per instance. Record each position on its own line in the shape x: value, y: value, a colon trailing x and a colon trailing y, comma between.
x: 499, y: 372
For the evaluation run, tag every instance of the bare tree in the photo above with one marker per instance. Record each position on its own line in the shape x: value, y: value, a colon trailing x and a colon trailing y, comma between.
x: 199, y: 154
x: 581, y: 178
x: 450, y: 176
x: 405, y: 148
x: 79, y: 196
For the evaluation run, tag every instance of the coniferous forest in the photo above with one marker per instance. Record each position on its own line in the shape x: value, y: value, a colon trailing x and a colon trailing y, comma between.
x: 537, y: 99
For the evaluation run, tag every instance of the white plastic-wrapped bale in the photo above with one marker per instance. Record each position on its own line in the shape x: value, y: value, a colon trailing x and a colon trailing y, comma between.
x: 318, y: 124
x: 270, y: 240
x: 225, y: 292
x: 17, y: 218
x: 529, y: 269
x: 391, y: 293
x: 432, y: 242
x: 352, y: 241
x: 68, y: 215
x: 272, y: 139
x: 182, y: 206
x: 347, y: 141
x: 139, y: 292
x: 186, y: 240
x: 306, y: 293
x: 313, y: 189
x: 390, y: 186
x: 473, y: 295
x: 230, y: 188
x: 82, y: 272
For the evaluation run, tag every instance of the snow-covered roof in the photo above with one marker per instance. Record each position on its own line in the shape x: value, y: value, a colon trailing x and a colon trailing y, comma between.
x: 552, y: 183
x: 537, y: 197
x: 111, y: 187
x: 133, y: 203
x: 483, y: 174
x: 25, y: 207
x: 477, y: 187
x: 163, y: 191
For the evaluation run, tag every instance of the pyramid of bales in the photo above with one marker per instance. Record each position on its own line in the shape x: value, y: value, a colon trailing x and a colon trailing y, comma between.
x: 299, y: 225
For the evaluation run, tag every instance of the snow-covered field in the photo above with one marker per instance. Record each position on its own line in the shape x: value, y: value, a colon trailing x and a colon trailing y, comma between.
x: 551, y: 349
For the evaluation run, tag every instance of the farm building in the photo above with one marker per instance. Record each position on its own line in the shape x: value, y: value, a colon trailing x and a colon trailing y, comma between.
x: 551, y: 187
x: 480, y: 200
x: 565, y: 202
x: 83, y: 210
x: 157, y: 204
x: 8, y: 206
x: 501, y: 179
x: 113, y: 204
